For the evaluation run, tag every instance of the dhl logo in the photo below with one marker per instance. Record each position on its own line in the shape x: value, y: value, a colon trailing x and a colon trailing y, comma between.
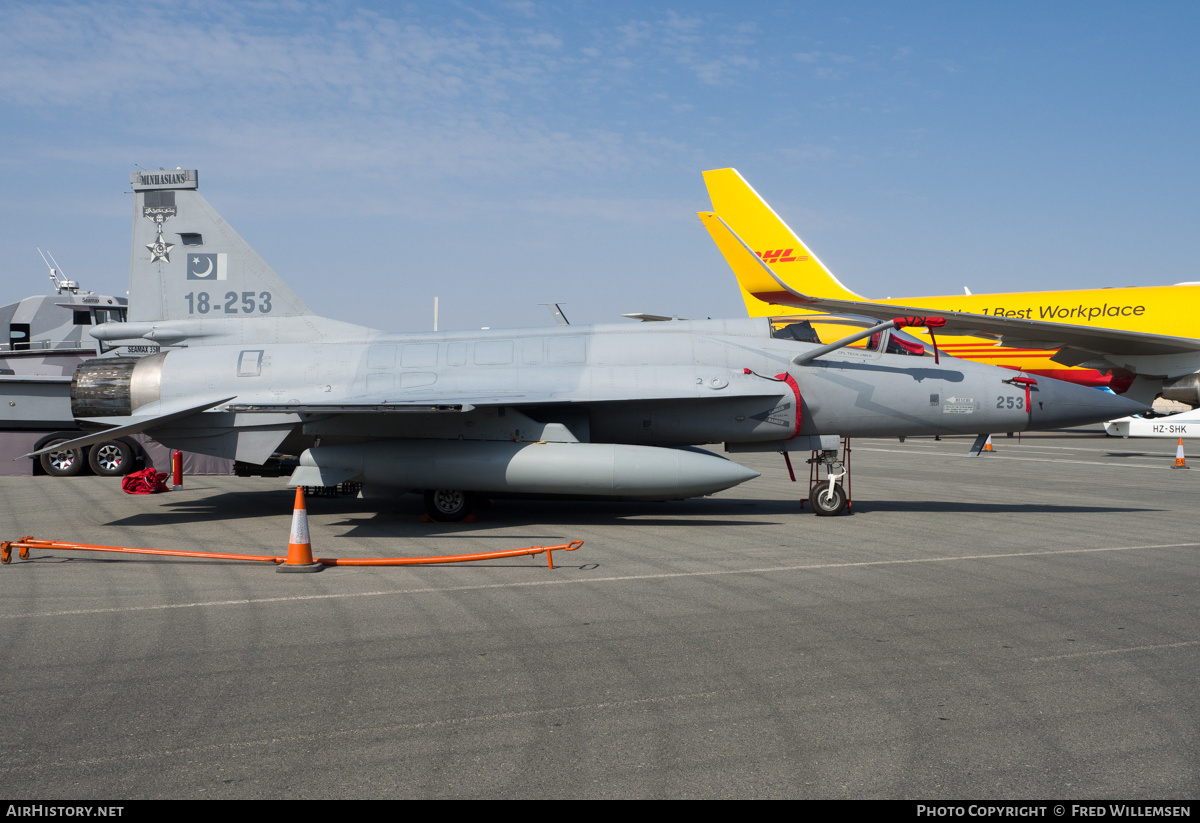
x: 780, y: 256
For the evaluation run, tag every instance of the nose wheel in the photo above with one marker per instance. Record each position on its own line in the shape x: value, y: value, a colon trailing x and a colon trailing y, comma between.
x: 829, y: 495
x: 827, y: 499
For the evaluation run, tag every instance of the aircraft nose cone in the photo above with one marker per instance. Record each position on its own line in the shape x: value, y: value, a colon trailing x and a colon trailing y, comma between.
x: 1059, y: 404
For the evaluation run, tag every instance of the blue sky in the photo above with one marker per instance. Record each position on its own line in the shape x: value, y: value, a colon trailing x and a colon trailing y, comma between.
x: 503, y: 154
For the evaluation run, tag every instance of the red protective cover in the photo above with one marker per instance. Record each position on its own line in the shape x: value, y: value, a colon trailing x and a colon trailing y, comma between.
x: 147, y: 481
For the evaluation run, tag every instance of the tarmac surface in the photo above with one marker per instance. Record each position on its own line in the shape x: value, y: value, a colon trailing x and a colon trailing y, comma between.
x: 1022, y: 625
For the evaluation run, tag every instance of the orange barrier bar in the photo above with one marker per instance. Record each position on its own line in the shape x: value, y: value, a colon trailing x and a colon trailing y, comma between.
x: 456, y: 558
x: 26, y: 543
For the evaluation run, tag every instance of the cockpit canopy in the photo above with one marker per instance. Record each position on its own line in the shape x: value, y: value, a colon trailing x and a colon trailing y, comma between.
x: 828, y: 329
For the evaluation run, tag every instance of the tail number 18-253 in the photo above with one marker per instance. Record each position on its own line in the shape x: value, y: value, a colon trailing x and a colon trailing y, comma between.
x: 245, y: 303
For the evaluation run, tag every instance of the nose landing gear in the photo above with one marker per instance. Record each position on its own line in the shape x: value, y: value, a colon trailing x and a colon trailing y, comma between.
x: 829, y: 495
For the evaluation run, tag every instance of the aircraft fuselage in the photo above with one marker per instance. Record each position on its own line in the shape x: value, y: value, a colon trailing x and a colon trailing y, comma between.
x: 664, y: 384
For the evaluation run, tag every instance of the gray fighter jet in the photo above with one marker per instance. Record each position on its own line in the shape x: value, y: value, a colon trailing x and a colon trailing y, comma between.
x: 607, y: 410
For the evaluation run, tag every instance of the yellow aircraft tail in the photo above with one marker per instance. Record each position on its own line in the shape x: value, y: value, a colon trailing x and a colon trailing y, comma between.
x: 772, y: 240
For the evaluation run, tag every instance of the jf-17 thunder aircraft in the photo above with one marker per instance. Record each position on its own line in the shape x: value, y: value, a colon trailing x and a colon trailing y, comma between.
x: 247, y: 371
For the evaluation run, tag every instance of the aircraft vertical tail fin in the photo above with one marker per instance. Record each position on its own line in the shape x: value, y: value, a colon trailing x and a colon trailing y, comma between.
x: 187, y: 263
x: 772, y: 240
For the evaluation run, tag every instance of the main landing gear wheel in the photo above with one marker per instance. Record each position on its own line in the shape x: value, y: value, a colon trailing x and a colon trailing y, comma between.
x: 448, y: 505
x: 825, y: 504
x: 112, y: 458
x: 62, y: 462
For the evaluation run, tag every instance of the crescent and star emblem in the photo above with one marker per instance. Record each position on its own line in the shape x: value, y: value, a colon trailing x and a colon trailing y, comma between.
x: 206, y: 272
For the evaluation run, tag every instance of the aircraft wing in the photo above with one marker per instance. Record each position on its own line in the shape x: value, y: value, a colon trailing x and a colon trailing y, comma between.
x: 415, y: 401
x: 152, y: 416
x: 372, y: 406
x: 1012, y: 332
x: 762, y: 282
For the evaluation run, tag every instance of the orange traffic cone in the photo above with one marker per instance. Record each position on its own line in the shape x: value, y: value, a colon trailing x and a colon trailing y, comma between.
x: 987, y: 447
x: 1179, y: 464
x: 299, y: 556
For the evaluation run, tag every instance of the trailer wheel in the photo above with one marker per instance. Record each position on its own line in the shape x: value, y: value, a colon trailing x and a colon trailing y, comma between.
x: 448, y: 505
x: 112, y: 458
x: 62, y: 462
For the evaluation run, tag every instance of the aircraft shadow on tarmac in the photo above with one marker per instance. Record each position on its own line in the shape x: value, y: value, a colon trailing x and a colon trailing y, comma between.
x: 400, y: 517
x: 959, y: 507
x: 231, y: 506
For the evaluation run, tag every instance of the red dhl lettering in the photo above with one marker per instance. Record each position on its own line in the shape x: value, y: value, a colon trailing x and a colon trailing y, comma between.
x: 779, y: 256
